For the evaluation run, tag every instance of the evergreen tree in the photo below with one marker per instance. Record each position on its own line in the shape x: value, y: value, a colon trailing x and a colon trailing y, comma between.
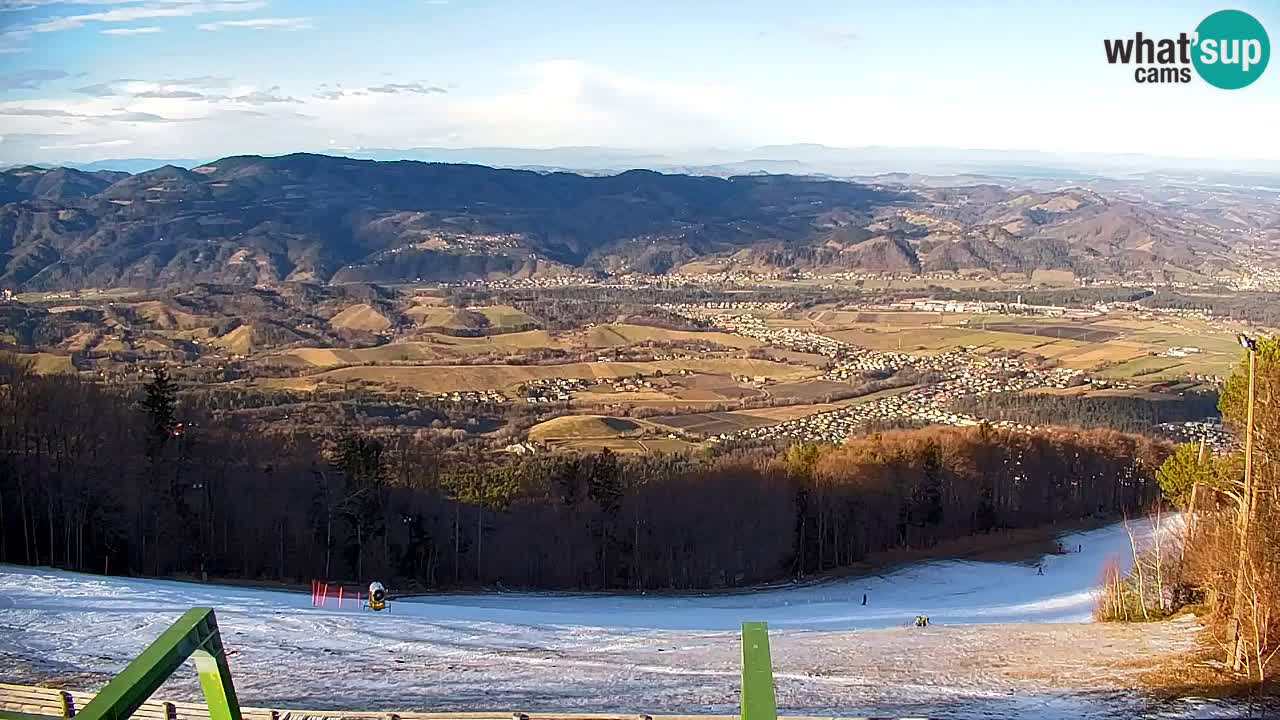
x: 160, y: 407
x: 159, y: 401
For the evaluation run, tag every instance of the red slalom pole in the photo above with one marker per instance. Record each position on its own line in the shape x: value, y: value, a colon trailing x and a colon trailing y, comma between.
x: 339, y: 597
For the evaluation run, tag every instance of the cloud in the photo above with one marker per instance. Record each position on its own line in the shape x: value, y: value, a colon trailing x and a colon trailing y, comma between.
x: 6, y: 5
x: 203, y: 81
x: 170, y: 94
x: 36, y: 112
x: 294, y: 23
x: 105, y: 89
x: 29, y: 79
x: 180, y: 89
x: 131, y: 10
x: 409, y: 87
x: 137, y: 117
x: 118, y: 115
x: 87, y: 145
x: 132, y: 31
x: 262, y: 97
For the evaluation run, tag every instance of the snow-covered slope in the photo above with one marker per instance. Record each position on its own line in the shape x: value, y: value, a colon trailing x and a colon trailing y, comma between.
x: 949, y: 592
x: 561, y: 651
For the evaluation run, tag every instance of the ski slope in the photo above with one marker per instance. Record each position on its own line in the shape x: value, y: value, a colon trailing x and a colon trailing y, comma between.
x: 948, y: 591
x: 656, y: 652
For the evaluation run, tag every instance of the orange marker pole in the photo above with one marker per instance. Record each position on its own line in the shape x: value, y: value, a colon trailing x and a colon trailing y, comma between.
x: 339, y: 597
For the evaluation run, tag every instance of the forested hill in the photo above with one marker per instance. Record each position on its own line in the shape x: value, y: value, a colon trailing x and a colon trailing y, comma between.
x: 314, y: 217
x: 91, y: 478
x: 251, y: 220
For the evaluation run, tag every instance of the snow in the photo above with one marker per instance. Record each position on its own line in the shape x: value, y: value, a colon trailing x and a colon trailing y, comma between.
x: 608, y: 652
x: 949, y: 592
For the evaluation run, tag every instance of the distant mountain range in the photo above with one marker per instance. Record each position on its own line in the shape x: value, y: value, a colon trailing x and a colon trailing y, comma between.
x: 795, y: 159
x: 253, y: 220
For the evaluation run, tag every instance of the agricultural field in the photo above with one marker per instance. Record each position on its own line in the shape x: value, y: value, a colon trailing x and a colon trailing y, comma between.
x: 48, y: 364
x: 449, y: 378
x: 360, y: 317
x: 1120, y: 347
x: 621, y: 335
x: 592, y: 433
x: 438, y: 356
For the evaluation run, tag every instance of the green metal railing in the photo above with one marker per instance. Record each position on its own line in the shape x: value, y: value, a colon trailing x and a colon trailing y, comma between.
x: 195, y: 635
x: 757, y: 673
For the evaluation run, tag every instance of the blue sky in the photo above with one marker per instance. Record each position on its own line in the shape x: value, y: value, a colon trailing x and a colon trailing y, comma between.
x: 81, y: 80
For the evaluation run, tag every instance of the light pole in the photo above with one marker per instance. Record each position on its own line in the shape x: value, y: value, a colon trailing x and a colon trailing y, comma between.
x: 1236, y: 632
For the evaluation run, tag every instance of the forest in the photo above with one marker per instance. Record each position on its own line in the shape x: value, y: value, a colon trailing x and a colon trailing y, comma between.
x: 1128, y: 413
x: 97, y: 478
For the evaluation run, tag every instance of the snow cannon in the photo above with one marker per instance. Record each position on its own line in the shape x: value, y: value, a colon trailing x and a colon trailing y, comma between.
x: 377, y: 596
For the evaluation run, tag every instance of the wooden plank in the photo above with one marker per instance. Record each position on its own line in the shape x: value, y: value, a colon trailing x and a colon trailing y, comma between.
x: 48, y: 701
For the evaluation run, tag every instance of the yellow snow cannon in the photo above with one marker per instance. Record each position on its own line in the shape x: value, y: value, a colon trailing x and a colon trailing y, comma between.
x: 377, y: 596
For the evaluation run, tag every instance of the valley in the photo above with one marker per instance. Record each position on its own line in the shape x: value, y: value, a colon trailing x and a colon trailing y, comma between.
x: 698, y: 364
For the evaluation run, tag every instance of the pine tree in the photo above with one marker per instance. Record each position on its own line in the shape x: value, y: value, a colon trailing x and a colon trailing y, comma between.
x: 159, y: 405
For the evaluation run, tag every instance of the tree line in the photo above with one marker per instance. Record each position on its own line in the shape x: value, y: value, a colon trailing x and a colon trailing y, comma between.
x: 99, y: 479
x: 1128, y: 413
x: 1226, y: 563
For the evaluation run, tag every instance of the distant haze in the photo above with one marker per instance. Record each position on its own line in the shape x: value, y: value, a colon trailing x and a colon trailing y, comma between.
x: 800, y: 159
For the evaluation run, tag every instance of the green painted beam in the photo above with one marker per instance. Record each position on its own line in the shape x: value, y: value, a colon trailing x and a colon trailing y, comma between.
x: 195, y: 633
x: 757, y: 673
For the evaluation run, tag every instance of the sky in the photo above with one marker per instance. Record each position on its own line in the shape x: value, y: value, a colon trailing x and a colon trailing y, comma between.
x: 88, y: 79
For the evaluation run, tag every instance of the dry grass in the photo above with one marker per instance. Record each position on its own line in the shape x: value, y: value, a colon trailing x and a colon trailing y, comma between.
x: 502, y: 317
x: 48, y: 363
x: 239, y: 341
x: 448, y: 378
x: 618, y: 335
x: 360, y: 317
x: 573, y: 427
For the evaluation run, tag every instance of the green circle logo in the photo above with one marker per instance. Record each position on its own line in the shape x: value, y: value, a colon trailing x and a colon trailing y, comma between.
x: 1232, y: 49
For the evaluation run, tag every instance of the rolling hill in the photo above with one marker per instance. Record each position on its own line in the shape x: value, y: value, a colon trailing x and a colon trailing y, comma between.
x: 253, y: 221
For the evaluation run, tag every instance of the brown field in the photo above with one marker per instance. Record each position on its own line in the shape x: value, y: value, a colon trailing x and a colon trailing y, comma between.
x: 166, y: 317
x: 1119, y: 347
x: 847, y: 318
x: 434, y: 348
x: 1147, y: 367
x: 430, y: 315
x: 586, y: 426
x: 619, y: 334
x: 1117, y: 351
x: 239, y: 341
x: 1084, y: 332
x: 447, y: 378
x: 503, y: 317
x: 591, y: 433
x: 48, y: 363
x: 807, y: 390
x: 1063, y: 278
x: 713, y: 423
x: 360, y: 317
